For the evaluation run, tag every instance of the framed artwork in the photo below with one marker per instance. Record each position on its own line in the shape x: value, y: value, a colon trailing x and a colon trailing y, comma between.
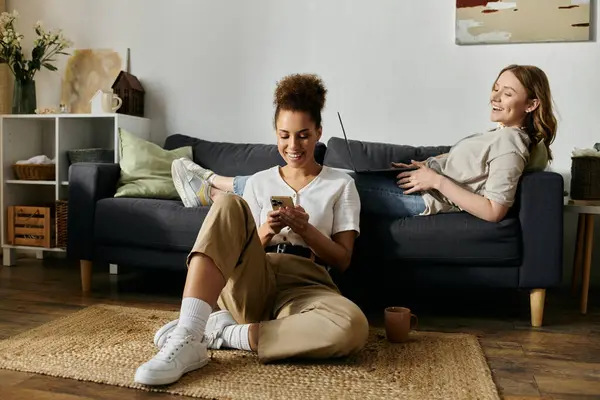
x: 522, y: 21
x: 86, y: 72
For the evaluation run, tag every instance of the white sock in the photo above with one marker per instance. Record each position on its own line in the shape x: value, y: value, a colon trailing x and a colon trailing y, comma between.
x: 236, y: 337
x: 211, y: 179
x: 194, y: 314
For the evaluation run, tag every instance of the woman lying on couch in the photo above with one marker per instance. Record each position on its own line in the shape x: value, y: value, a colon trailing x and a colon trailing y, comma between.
x: 479, y: 175
x: 265, y: 268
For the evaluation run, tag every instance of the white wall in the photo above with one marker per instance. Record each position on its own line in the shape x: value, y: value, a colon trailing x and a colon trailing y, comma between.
x: 392, y: 68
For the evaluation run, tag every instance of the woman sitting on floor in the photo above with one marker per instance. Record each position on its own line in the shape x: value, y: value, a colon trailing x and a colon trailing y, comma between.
x: 266, y: 269
x: 478, y: 175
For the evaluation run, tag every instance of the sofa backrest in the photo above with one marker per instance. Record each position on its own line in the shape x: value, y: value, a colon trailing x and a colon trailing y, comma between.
x: 374, y: 155
x: 231, y: 159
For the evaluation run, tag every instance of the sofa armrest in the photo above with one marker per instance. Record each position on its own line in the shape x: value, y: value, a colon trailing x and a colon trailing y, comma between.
x: 541, y: 203
x: 88, y: 183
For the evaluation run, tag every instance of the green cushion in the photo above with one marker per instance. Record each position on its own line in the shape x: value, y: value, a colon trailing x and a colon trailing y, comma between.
x: 146, y: 168
x: 538, y: 158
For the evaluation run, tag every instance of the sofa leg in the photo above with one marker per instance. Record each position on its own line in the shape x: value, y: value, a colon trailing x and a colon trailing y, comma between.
x: 86, y: 275
x: 537, y: 297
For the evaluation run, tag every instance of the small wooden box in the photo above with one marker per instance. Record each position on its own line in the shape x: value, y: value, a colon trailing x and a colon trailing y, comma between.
x: 30, y: 226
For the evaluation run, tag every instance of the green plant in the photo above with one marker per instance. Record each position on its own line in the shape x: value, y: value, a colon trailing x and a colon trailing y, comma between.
x: 46, y: 46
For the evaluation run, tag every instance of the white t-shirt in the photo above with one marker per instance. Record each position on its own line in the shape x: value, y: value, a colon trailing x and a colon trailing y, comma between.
x: 330, y: 200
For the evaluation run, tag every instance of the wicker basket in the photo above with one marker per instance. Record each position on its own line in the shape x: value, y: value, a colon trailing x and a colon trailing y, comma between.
x: 62, y: 209
x: 35, y: 172
x: 585, y: 178
x: 95, y: 155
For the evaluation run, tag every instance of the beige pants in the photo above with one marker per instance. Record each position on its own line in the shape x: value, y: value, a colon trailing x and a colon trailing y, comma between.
x: 300, y: 310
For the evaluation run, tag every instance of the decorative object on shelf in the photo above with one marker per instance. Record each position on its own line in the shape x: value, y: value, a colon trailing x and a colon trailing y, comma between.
x: 24, y: 98
x: 94, y: 155
x: 103, y: 102
x: 46, y: 47
x: 130, y: 90
x: 78, y: 88
x: 30, y: 226
x: 585, y: 174
x: 62, y: 109
x: 62, y: 211
x: 486, y: 22
x: 46, y: 111
x: 37, y: 168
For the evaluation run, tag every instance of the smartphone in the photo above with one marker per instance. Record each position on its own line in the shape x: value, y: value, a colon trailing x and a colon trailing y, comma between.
x: 281, y: 201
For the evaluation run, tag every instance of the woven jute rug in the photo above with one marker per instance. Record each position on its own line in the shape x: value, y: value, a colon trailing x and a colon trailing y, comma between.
x: 105, y: 344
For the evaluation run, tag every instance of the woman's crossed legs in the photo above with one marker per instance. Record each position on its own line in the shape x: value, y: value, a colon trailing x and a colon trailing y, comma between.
x: 229, y: 266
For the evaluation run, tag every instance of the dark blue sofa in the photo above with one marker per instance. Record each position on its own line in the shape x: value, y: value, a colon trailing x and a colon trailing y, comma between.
x: 523, y: 251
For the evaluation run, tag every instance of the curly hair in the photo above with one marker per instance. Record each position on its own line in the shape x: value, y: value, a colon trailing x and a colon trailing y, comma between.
x: 300, y: 92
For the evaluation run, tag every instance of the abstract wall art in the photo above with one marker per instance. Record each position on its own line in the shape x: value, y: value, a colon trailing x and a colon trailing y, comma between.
x: 86, y: 72
x: 522, y: 21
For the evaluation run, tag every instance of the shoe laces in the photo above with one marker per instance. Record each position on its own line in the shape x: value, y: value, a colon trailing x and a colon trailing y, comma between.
x: 173, y: 345
x: 213, y: 339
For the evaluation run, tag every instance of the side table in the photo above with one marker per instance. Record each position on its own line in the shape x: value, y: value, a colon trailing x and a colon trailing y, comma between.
x: 582, y: 263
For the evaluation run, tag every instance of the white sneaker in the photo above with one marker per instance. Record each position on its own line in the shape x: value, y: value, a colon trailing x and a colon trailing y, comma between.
x: 188, y: 180
x: 196, y: 169
x: 217, y: 321
x: 182, y: 352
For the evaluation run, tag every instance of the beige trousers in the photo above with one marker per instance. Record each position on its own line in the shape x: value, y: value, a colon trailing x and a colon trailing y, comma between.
x: 300, y: 310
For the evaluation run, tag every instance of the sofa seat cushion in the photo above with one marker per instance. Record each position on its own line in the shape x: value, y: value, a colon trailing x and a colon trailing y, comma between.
x: 148, y: 223
x: 443, y: 239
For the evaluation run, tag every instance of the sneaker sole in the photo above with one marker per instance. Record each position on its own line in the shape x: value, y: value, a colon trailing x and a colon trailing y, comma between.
x: 187, y: 195
x: 143, y: 379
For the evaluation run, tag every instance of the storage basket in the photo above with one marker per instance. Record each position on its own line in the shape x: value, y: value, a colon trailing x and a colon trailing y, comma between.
x: 62, y: 209
x: 94, y: 155
x: 30, y: 226
x: 585, y: 178
x: 35, y: 172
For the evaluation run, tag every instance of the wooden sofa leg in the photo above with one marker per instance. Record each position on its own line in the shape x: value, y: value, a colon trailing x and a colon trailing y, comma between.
x: 86, y: 275
x: 537, y: 298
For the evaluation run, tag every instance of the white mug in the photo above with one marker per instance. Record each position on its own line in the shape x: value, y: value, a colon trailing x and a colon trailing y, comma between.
x: 108, y: 102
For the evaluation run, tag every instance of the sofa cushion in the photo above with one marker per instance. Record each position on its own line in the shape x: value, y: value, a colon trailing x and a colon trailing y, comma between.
x: 147, y: 223
x: 231, y: 159
x: 374, y: 155
x: 444, y: 239
x: 146, y: 168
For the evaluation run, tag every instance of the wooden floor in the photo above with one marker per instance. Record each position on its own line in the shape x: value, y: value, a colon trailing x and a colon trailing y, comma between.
x: 561, y: 360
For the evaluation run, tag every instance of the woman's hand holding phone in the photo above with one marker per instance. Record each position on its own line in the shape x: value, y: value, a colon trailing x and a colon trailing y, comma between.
x: 274, y: 221
x: 285, y: 213
x: 296, y: 218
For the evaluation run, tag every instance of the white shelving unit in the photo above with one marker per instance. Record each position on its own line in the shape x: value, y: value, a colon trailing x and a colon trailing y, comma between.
x: 25, y: 136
